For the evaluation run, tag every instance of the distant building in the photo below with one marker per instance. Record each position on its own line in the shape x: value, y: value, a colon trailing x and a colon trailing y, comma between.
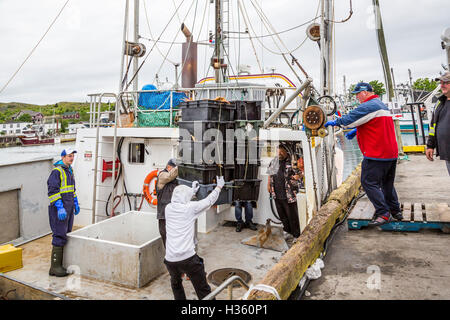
x: 36, y: 117
x: 14, y: 128
x: 71, y: 115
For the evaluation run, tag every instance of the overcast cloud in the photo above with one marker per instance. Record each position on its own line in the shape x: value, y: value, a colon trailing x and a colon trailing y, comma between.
x: 81, y: 53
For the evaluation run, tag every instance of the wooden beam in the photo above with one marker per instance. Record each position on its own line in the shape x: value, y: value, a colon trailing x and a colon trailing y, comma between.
x: 287, y: 273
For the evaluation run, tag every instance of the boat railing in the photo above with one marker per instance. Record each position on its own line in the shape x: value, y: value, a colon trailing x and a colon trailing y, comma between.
x: 131, y: 113
x: 168, y: 102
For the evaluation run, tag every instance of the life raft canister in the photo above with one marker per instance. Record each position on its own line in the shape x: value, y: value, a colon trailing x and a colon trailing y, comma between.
x: 150, y: 196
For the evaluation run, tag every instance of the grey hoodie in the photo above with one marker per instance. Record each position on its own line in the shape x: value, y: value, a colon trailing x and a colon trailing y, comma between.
x: 181, y: 214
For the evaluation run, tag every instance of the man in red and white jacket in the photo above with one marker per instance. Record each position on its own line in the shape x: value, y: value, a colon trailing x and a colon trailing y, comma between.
x: 375, y: 132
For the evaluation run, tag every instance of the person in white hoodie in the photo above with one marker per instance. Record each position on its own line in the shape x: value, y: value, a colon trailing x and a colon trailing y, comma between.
x: 181, y: 257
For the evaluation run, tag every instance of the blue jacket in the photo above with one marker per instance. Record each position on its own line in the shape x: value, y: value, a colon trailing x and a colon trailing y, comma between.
x: 61, y: 184
x: 376, y: 132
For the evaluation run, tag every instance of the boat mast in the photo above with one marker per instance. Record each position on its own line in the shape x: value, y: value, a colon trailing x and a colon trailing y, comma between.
x: 445, y: 37
x: 136, y: 40
x: 122, y: 62
x: 383, y: 49
x: 217, y: 61
x: 326, y: 54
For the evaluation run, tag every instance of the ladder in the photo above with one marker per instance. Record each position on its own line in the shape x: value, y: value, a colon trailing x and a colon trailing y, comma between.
x: 94, y: 122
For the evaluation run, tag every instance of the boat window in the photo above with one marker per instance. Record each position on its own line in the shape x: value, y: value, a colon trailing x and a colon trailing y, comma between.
x: 136, y: 153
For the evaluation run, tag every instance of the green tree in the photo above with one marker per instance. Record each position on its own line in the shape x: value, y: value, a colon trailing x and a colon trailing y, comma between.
x: 378, y: 87
x: 64, y: 125
x: 25, y: 118
x: 425, y: 84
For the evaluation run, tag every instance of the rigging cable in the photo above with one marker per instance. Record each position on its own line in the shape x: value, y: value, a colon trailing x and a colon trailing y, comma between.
x: 203, y: 20
x: 151, y: 35
x: 250, y: 37
x: 34, y: 48
x: 170, y: 47
x: 145, y: 59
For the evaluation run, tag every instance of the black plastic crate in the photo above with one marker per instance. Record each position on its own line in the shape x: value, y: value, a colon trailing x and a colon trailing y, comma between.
x: 205, y: 152
x: 247, y: 150
x: 225, y: 196
x: 249, y: 129
x: 205, y: 174
x: 246, y: 190
x: 246, y: 171
x: 207, y: 110
x: 248, y: 110
x: 206, y: 130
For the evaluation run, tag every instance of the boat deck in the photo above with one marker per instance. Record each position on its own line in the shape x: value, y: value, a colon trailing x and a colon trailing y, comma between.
x: 371, y: 263
x: 220, y: 248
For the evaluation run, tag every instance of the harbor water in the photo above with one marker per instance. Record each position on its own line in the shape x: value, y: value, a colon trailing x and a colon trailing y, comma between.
x: 19, y: 154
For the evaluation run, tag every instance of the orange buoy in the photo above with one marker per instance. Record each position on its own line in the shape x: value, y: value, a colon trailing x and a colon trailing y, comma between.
x: 150, y: 196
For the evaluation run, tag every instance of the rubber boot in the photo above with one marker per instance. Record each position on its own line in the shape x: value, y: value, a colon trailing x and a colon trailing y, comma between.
x: 56, y: 268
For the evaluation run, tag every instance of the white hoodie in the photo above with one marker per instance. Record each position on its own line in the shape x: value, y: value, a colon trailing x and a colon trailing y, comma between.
x: 181, y: 214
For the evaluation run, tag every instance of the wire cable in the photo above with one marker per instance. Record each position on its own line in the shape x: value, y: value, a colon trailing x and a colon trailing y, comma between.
x: 148, y: 54
x: 34, y: 48
x: 151, y: 35
x: 251, y: 41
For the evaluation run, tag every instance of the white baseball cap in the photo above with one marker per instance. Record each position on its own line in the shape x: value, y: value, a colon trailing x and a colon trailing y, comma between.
x: 68, y: 151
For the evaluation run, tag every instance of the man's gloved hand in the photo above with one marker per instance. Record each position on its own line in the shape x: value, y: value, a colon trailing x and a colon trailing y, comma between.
x: 351, y: 134
x: 77, y: 206
x: 330, y: 123
x: 195, y: 186
x: 220, y: 181
x: 62, y: 214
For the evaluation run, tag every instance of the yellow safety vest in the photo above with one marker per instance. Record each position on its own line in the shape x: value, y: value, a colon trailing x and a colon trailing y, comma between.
x: 64, y: 188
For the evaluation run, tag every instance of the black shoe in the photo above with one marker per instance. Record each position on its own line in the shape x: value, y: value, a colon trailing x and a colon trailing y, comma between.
x: 251, y: 225
x: 380, y: 220
x: 239, y: 226
x: 397, y: 216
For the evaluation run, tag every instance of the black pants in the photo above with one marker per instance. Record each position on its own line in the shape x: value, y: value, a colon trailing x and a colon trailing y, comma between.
x: 288, y: 213
x: 377, y: 179
x: 162, y: 230
x: 194, y: 268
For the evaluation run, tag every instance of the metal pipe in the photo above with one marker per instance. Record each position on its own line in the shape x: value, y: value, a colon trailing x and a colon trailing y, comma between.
x: 125, y: 23
x: 287, y: 102
x: 414, y: 123
x: 186, y: 32
x: 422, y: 130
x: 224, y: 285
x: 136, y: 40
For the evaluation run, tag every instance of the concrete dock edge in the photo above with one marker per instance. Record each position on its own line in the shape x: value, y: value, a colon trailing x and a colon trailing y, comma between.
x: 287, y: 273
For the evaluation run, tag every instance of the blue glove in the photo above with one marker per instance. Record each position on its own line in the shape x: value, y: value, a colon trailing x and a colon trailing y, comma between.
x: 331, y: 123
x: 62, y: 214
x: 77, y: 206
x: 351, y: 134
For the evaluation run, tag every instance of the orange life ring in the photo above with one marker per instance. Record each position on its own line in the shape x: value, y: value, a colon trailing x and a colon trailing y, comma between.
x: 150, y: 196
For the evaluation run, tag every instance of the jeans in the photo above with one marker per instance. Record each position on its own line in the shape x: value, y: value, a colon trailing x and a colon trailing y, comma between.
x: 248, y: 211
x: 377, y: 180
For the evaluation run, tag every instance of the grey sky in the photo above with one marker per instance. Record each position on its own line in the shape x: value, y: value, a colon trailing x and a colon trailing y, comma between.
x: 81, y: 54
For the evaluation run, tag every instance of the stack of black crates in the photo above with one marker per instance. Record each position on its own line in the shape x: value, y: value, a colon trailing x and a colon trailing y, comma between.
x: 247, y: 150
x: 202, y: 152
x: 232, y: 150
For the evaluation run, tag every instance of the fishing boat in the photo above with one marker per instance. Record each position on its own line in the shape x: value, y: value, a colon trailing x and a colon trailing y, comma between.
x: 116, y: 243
x: 33, y: 138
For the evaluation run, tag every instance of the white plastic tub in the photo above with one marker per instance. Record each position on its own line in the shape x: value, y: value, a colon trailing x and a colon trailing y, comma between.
x: 126, y: 249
